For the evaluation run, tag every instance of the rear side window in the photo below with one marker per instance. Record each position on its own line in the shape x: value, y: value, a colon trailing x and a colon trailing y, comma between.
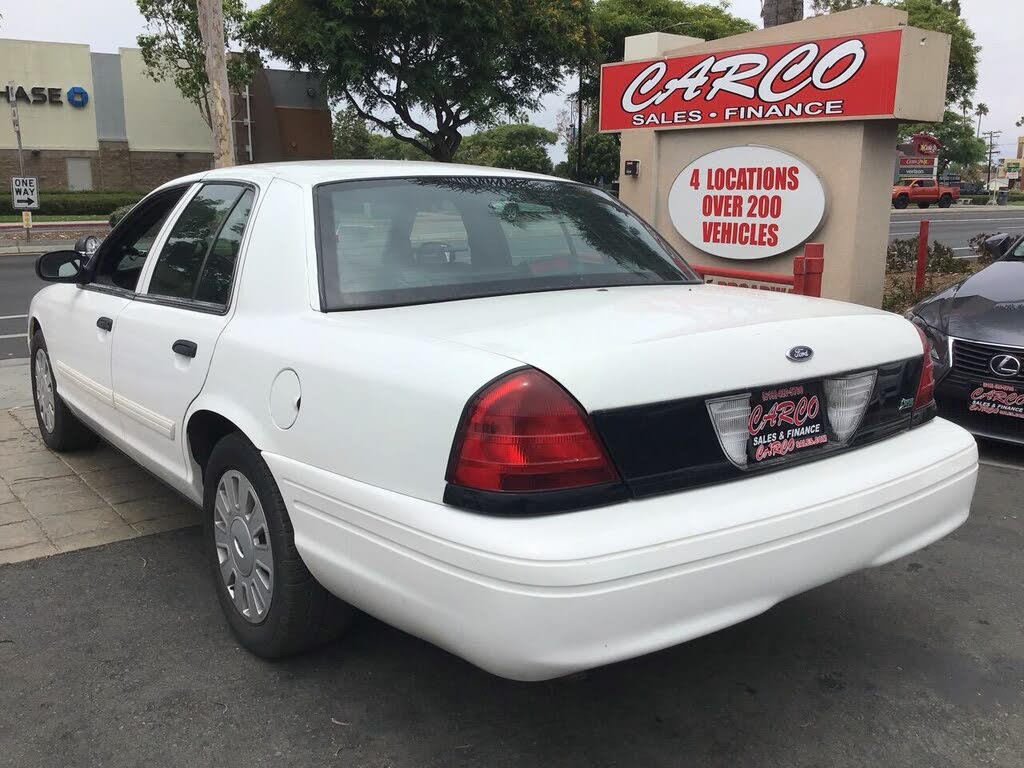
x: 197, y: 261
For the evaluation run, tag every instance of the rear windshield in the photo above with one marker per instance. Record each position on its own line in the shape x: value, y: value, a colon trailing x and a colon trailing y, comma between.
x: 418, y: 240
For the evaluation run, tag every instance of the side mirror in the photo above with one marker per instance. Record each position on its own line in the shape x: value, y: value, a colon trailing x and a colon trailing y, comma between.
x: 997, y: 246
x: 60, y: 266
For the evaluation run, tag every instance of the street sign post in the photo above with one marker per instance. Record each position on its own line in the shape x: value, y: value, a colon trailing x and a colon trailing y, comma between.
x: 25, y: 193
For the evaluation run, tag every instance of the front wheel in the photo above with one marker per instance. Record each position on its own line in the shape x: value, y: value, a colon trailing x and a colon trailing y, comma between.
x: 60, y: 429
x: 900, y: 202
x: 272, y: 602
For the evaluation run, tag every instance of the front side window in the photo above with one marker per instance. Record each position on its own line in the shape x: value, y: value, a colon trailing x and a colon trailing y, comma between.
x: 416, y: 240
x: 123, y: 253
x: 203, y: 243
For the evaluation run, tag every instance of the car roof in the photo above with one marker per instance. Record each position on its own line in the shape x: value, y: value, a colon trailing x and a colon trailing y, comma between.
x: 312, y: 172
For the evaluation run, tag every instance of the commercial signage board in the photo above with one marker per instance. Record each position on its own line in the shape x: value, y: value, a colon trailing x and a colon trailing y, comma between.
x: 746, y: 202
x: 24, y: 193
x: 837, y: 78
x: 917, y: 168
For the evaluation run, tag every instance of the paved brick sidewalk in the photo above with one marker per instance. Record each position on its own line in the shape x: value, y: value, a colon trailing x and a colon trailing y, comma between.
x: 52, y: 503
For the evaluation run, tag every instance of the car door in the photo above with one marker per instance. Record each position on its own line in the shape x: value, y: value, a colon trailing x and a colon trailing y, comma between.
x: 165, y: 339
x: 79, y: 331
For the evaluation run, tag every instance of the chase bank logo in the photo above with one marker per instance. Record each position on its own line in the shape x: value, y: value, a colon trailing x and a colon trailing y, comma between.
x: 78, y: 96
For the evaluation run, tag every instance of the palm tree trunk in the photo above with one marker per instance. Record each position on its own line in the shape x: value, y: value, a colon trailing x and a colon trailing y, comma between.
x: 775, y: 12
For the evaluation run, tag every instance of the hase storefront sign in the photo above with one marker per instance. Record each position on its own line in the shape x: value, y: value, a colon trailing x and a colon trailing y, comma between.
x: 746, y: 202
x: 836, y: 78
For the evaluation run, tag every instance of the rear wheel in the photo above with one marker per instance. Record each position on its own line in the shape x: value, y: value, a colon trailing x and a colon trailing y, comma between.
x: 900, y: 202
x: 272, y: 602
x: 60, y: 429
x: 945, y: 201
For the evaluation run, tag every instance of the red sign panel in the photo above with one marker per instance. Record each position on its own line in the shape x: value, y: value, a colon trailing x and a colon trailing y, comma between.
x: 838, y: 78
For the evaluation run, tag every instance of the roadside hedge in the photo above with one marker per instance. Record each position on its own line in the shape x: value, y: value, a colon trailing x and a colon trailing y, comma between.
x: 99, y: 204
x: 1014, y: 197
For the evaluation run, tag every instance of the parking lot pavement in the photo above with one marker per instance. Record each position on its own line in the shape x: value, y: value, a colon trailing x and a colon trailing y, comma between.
x: 52, y: 503
x: 119, y: 656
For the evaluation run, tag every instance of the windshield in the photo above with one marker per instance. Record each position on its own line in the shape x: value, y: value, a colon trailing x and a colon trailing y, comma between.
x: 416, y: 240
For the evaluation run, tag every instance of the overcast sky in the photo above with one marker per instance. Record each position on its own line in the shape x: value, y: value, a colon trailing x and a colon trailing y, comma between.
x: 997, y: 24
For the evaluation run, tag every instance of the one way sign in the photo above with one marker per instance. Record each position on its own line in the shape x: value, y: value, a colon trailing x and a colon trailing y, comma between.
x: 25, y: 193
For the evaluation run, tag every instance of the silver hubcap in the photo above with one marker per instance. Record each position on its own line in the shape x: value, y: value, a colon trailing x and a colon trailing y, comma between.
x: 243, y: 546
x: 45, y: 398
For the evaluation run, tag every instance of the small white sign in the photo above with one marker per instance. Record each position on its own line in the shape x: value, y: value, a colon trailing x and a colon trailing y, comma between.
x: 746, y: 202
x: 24, y: 193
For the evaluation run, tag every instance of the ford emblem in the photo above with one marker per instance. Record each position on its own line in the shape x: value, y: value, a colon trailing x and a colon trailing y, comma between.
x: 800, y: 354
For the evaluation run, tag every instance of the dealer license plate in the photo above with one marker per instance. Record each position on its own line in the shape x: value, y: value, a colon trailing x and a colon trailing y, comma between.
x: 786, y: 421
x: 996, y: 398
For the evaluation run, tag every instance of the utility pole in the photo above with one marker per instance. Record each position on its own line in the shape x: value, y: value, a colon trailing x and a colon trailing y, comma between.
x: 211, y: 29
x: 992, y: 136
x: 579, y: 129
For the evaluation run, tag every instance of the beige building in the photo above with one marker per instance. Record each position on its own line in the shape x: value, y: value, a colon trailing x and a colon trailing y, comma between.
x: 97, y: 121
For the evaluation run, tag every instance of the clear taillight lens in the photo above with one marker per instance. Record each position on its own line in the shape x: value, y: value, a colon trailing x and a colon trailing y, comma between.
x: 730, y: 416
x: 848, y: 398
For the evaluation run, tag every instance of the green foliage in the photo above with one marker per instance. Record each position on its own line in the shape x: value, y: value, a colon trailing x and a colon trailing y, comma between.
x: 354, y: 140
x: 615, y: 20
x: 963, y: 54
x: 941, y: 16
x: 901, y: 256
x: 172, y: 48
x: 98, y: 204
x: 119, y: 213
x: 960, y: 147
x: 600, y: 157
x: 518, y: 145
x: 422, y: 70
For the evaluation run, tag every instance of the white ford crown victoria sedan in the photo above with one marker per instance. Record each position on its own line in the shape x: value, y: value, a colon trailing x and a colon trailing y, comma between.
x: 491, y: 408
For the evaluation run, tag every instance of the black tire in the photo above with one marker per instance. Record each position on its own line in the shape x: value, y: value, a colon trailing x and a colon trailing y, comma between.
x: 900, y: 202
x: 923, y: 205
x: 68, y: 432
x: 302, y: 614
x: 945, y: 201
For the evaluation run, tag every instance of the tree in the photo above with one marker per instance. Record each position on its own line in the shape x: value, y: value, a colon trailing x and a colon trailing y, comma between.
x: 172, y: 48
x: 775, y: 12
x: 600, y: 156
x: 981, y: 110
x: 615, y: 20
x: 940, y: 16
x: 353, y: 140
x: 960, y: 147
x: 521, y: 146
x: 210, y: 15
x: 423, y: 70
x: 966, y: 105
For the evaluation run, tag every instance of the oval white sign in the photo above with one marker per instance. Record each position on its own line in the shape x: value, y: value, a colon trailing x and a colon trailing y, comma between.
x: 746, y: 202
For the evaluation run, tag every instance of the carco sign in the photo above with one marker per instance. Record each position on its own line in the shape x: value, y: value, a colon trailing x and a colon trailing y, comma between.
x: 836, y: 78
x: 746, y: 202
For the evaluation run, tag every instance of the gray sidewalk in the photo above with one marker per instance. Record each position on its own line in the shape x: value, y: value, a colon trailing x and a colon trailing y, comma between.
x: 52, y: 503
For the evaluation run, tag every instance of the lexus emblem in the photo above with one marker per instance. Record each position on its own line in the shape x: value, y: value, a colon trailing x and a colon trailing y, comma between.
x: 800, y: 354
x: 1004, y: 365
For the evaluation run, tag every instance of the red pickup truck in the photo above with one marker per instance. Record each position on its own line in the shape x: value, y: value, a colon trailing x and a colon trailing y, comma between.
x: 924, y: 192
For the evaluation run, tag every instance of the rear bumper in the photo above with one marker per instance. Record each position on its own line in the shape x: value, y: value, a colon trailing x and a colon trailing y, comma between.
x: 535, y: 598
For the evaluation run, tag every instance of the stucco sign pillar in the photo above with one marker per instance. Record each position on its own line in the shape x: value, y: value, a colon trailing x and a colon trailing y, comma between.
x: 742, y: 149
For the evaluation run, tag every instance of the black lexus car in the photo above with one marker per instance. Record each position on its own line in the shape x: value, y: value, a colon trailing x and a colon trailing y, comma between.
x: 976, y: 329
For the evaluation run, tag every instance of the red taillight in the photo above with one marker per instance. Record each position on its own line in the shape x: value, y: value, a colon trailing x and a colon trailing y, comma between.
x: 926, y: 384
x: 525, y: 433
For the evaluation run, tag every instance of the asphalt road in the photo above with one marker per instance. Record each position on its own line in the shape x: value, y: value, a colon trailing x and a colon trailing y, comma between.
x: 18, y: 283
x: 956, y: 226
x: 119, y: 656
